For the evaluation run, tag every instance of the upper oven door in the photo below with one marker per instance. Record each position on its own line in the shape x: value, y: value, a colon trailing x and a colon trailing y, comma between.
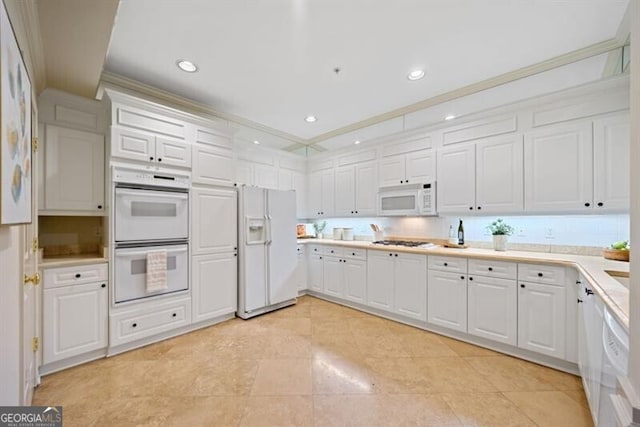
x: 399, y: 203
x: 146, y: 214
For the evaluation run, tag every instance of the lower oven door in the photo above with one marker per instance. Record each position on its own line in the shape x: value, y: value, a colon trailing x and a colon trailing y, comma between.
x: 131, y: 272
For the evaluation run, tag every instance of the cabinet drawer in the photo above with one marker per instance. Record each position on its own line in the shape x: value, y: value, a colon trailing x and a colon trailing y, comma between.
x: 315, y: 249
x: 136, y: 324
x: 332, y: 251
x: 446, y: 263
x: 488, y: 268
x: 537, y: 273
x: 65, y: 276
x: 300, y: 250
x: 354, y: 253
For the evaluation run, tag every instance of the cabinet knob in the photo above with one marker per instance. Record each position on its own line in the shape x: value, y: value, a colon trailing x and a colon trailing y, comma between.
x: 587, y: 204
x: 174, y: 315
x: 159, y: 159
x: 353, y: 253
x: 390, y: 254
x: 578, y: 282
x: 470, y: 278
x: 104, y: 285
x: 78, y: 275
x: 135, y: 325
x: 479, y: 208
x: 332, y: 251
x: 396, y: 254
x: 490, y: 269
x: 351, y: 211
x: 99, y: 206
x: 150, y: 158
x: 401, y: 182
x: 579, y: 300
x: 462, y: 277
x: 589, y: 292
x: 235, y: 184
x: 540, y: 274
x: 235, y: 254
x: 470, y: 208
x: 600, y: 204
x: 320, y: 257
x: 344, y: 260
x: 522, y: 285
x: 356, y: 211
x: 446, y: 264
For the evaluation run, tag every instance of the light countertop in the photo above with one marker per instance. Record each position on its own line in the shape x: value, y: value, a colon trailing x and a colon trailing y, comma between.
x: 593, y: 268
x: 71, y: 260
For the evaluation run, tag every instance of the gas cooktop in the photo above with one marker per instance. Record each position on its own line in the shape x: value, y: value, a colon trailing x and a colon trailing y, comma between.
x: 408, y: 243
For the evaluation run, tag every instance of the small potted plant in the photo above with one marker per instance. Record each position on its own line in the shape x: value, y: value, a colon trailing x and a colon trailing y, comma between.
x: 501, y: 232
x: 318, y: 227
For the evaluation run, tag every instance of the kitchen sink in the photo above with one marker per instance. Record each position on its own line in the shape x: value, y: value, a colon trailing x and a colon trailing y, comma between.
x: 620, y: 276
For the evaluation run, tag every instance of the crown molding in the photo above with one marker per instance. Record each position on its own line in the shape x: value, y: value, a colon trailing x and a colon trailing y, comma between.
x: 28, y: 10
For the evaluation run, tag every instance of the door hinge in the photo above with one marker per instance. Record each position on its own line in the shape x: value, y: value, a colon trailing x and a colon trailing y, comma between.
x: 35, y: 344
x: 35, y: 143
x: 34, y: 245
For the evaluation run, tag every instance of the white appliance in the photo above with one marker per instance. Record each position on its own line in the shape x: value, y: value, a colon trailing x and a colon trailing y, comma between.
x: 267, y: 250
x: 407, y: 200
x: 131, y: 269
x: 150, y: 213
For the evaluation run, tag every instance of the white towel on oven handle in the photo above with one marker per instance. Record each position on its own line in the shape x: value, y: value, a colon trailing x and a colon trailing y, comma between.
x: 156, y: 270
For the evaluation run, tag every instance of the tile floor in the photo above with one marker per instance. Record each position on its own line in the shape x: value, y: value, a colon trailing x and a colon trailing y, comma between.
x: 315, y: 363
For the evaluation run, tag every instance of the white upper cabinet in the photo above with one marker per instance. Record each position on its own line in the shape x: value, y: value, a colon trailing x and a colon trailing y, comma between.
x: 558, y: 168
x: 392, y: 170
x: 266, y: 176
x: 147, y: 147
x: 212, y: 165
x: 356, y: 189
x: 173, y: 152
x: 611, y: 162
x: 213, y: 220
x: 74, y: 171
x: 499, y: 174
x: 294, y: 180
x: 322, y: 193
x: 345, y: 191
x: 412, y: 168
x: 456, y: 184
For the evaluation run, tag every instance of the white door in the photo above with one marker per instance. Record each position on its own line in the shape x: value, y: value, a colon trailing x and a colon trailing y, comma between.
x: 611, y: 164
x: 281, y: 245
x: 212, y: 165
x: 345, y: 194
x: 355, y: 280
x: 456, y: 179
x: 421, y: 167
x: 328, y: 193
x: 392, y: 170
x: 333, y: 277
x: 133, y: 145
x: 380, y: 279
x: 558, y: 169
x: 493, y: 309
x: 411, y: 285
x: 366, y: 189
x: 173, y: 152
x: 74, y: 170
x: 316, y: 273
x: 266, y: 176
x: 214, y: 221
x: 214, y: 285
x: 76, y: 320
x: 499, y: 174
x: 447, y: 300
x: 315, y: 195
x: 541, y: 318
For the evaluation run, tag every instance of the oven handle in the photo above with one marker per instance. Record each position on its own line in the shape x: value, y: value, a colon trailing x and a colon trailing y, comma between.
x: 169, y: 252
x: 152, y: 193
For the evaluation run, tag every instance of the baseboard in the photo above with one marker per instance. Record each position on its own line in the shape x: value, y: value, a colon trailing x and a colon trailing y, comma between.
x: 81, y: 359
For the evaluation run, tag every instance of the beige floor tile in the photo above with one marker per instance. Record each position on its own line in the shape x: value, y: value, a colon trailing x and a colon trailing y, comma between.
x: 560, y: 380
x: 279, y: 377
x: 510, y: 374
x: 371, y: 325
x: 287, y: 347
x: 231, y: 377
x: 381, y: 345
x: 424, y: 344
x: 578, y: 396
x: 399, y: 376
x: 551, y: 408
x: 486, y: 410
x: 347, y: 410
x: 278, y: 411
x: 337, y: 345
x: 465, y: 349
x: 299, y: 310
x: 236, y: 347
x: 329, y: 326
x: 341, y: 376
x: 446, y: 375
x: 206, y: 411
x: 288, y: 326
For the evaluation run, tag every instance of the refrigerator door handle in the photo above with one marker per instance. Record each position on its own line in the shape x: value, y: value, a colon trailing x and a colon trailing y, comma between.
x: 269, y: 218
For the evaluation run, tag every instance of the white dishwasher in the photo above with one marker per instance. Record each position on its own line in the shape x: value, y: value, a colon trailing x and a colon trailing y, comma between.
x: 615, y: 359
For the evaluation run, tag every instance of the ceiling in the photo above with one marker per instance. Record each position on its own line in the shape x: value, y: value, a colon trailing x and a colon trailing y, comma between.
x: 273, y: 62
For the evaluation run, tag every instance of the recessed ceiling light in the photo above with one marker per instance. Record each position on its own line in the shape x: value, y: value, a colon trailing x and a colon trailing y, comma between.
x: 450, y: 117
x: 310, y: 119
x: 256, y: 142
x: 357, y: 142
x: 415, y: 75
x: 187, y: 66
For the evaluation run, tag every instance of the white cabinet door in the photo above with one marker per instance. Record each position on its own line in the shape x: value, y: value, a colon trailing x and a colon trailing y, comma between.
x: 212, y: 165
x: 421, y: 167
x: 328, y: 193
x: 456, y: 179
x: 392, y: 170
x: 301, y: 272
x: 499, y: 174
x: 380, y: 279
x: 315, y: 270
x: 266, y: 176
x: 355, y: 280
x: 300, y: 187
x: 244, y: 173
x: 214, y: 285
x: 541, y: 318
x: 366, y: 189
x: 314, y: 200
x: 75, y: 320
x: 558, y: 168
x: 285, y: 179
x: 345, y: 194
x: 411, y: 285
x: 611, y: 164
x: 333, y: 277
x: 129, y: 144
x: 213, y: 221
x: 173, y: 152
x: 447, y: 300
x: 493, y: 309
x: 74, y: 170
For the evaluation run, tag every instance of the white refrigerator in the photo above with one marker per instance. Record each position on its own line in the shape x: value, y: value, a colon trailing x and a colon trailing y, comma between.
x: 266, y: 249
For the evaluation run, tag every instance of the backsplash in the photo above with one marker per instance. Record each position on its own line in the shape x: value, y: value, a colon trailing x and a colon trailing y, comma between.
x: 70, y: 235
x: 545, y: 233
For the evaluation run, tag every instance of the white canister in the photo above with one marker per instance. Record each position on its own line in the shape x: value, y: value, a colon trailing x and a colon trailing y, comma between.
x: 337, y: 234
x: 347, y: 234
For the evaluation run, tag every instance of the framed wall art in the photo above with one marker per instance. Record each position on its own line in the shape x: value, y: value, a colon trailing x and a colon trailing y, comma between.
x: 15, y: 125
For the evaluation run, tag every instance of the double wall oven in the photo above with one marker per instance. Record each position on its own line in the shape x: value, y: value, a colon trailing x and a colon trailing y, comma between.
x: 151, y: 213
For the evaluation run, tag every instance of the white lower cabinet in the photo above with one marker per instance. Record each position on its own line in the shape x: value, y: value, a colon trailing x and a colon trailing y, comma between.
x: 333, y: 277
x: 355, y: 280
x: 381, y: 277
x: 447, y: 300
x: 300, y: 274
x: 75, y: 320
x: 214, y: 285
x: 411, y: 286
x: 541, y: 318
x: 315, y: 272
x: 493, y: 309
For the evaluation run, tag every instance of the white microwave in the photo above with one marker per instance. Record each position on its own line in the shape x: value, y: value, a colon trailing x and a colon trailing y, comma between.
x: 407, y: 200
